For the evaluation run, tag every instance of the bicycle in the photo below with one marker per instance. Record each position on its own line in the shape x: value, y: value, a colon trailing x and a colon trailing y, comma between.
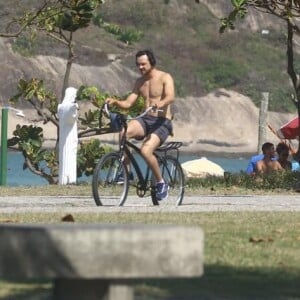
x: 105, y: 186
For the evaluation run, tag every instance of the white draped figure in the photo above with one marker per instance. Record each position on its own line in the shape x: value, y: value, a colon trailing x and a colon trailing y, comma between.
x: 68, y: 138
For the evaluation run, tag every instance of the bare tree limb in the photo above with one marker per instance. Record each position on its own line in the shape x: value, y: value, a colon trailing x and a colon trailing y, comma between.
x: 36, y: 171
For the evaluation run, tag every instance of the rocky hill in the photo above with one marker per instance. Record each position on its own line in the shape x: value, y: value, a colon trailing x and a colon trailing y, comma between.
x: 221, y: 123
x: 222, y: 120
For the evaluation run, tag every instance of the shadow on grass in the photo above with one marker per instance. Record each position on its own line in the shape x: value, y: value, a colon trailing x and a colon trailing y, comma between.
x: 226, y: 283
x: 218, y: 282
x: 26, y: 289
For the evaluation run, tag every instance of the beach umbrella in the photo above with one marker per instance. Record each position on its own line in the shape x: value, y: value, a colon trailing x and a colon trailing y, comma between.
x: 290, y: 130
x: 202, y: 167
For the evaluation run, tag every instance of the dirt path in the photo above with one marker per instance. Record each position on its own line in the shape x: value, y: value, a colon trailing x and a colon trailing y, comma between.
x: 190, y: 204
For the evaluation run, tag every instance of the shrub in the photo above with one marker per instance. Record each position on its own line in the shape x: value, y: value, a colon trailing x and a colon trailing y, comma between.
x: 220, y: 72
x: 287, y: 180
x: 24, y: 46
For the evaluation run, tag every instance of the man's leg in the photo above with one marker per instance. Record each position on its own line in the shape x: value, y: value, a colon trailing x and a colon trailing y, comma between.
x: 147, y: 150
x: 134, y: 130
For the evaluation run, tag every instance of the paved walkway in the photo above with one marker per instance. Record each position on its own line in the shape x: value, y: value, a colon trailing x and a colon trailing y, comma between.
x: 135, y: 204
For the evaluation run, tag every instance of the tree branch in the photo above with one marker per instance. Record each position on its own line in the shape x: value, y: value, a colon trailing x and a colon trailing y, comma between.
x: 48, y: 177
x: 46, y: 117
x: 25, y: 25
x: 93, y: 131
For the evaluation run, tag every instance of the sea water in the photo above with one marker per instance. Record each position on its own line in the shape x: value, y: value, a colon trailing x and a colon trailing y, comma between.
x: 17, y: 175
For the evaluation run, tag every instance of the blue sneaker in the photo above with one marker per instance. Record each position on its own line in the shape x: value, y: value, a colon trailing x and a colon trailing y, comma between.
x: 120, y: 178
x: 162, y: 189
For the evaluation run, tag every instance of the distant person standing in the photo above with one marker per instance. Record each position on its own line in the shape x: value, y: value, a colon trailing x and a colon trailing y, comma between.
x: 268, y: 164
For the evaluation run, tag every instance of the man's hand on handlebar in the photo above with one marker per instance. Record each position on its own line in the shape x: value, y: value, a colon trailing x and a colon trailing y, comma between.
x: 111, y: 101
x: 155, y: 108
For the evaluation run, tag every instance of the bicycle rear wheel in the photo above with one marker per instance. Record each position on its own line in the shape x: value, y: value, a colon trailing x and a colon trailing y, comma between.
x: 107, y: 190
x: 172, y: 174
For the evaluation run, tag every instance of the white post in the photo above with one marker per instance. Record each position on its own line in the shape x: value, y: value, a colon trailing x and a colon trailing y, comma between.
x: 68, y: 138
x: 262, y: 127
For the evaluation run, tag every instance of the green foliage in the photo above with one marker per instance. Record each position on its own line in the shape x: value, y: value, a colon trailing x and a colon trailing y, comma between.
x: 91, y: 93
x: 45, y: 162
x: 54, y: 18
x: 255, y: 63
x: 179, y: 88
x: 126, y: 35
x: 77, y: 14
x: 221, y: 72
x: 280, y: 99
x: 138, y: 107
x: 239, y: 11
x: 24, y: 46
x: 286, y: 180
x: 30, y: 140
x: 90, y: 118
x: 34, y: 92
x: 64, y: 15
x: 189, y: 38
x: 26, y: 136
x: 97, y: 98
x: 139, y: 14
x: 33, y: 89
x: 288, y: 13
x: 88, y: 155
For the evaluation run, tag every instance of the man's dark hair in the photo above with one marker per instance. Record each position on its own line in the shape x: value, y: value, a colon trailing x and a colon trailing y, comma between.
x: 282, y: 147
x: 149, y: 54
x: 266, y: 146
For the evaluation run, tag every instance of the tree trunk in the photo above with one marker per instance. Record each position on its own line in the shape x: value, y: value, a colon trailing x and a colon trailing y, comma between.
x: 294, y: 77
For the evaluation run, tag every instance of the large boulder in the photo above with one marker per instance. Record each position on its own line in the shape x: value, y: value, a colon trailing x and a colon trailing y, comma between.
x: 222, y: 121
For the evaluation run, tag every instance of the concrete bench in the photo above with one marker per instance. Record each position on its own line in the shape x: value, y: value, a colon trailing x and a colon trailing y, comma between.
x: 99, y: 261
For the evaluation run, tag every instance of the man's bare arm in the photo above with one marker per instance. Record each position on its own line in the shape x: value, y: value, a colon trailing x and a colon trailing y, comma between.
x: 259, y: 167
x: 168, y: 93
x: 128, y: 102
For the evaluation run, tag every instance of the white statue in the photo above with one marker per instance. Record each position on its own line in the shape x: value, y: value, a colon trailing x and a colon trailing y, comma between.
x: 68, y: 138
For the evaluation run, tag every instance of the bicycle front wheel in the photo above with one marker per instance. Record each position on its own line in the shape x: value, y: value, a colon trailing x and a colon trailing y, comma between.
x: 172, y: 174
x: 106, y: 185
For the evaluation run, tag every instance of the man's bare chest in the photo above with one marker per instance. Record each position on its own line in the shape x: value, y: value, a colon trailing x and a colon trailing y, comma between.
x: 152, y: 88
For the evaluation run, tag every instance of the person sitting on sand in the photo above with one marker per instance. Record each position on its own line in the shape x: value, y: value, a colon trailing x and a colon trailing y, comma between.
x: 250, y: 170
x: 268, y: 164
x: 283, y: 152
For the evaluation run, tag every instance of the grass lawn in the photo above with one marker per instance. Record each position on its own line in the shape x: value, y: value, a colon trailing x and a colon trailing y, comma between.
x: 248, y: 255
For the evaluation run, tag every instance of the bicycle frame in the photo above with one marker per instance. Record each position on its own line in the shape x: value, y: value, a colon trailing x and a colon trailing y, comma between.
x: 108, y: 189
x: 143, y: 179
x: 142, y: 183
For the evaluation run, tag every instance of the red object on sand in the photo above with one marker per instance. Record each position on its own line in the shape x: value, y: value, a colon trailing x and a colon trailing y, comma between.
x: 290, y: 130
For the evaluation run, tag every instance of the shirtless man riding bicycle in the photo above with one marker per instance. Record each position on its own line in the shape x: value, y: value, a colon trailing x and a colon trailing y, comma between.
x: 157, y: 89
